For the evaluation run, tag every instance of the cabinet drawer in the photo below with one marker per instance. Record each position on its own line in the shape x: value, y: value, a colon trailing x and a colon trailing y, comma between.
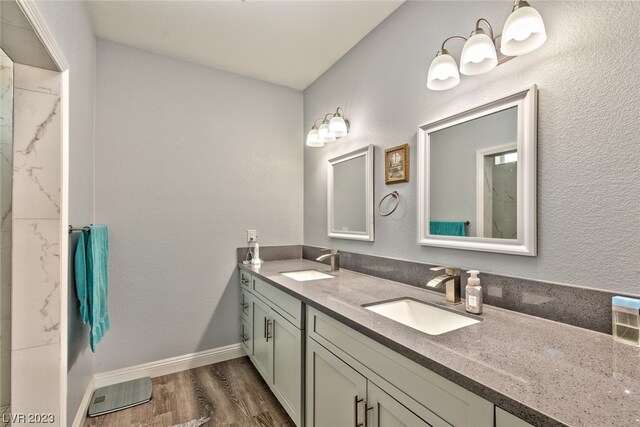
x: 246, y: 337
x: 245, y: 306
x: 454, y: 404
x: 245, y: 280
x: 287, y: 306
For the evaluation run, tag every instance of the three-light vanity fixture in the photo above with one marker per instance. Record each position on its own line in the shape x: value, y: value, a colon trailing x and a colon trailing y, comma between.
x: 523, y: 32
x: 333, y: 126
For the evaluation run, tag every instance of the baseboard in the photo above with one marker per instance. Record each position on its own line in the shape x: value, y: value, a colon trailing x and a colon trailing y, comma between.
x: 169, y: 366
x: 155, y: 369
x: 81, y: 416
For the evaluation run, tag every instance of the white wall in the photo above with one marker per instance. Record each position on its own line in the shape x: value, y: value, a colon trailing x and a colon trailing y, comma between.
x: 187, y: 159
x: 70, y: 24
x: 588, y: 151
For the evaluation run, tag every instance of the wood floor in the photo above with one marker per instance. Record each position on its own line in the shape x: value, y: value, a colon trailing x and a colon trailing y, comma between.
x: 232, y: 393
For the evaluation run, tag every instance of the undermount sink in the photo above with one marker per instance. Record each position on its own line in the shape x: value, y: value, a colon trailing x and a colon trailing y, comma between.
x: 421, y: 316
x: 306, y: 275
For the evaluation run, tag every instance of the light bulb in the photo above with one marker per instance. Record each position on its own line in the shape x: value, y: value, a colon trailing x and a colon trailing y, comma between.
x: 478, y: 55
x: 338, y: 126
x: 324, y: 134
x: 523, y: 32
x: 443, y: 72
x: 312, y: 139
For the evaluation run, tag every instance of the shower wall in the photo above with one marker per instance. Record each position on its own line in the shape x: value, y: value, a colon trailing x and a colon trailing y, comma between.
x: 35, y: 385
x: 6, y: 155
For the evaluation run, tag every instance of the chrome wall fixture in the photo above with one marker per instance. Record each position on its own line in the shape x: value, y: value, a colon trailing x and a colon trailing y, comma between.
x: 523, y: 32
x: 333, y: 126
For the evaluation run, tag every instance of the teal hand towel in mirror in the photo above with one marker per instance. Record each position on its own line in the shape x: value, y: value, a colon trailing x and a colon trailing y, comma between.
x: 447, y: 228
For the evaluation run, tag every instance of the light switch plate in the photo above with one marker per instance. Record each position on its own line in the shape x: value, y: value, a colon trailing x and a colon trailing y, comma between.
x: 252, y: 235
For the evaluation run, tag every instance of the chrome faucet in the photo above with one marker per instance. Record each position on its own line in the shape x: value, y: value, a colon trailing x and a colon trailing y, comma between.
x: 452, y: 280
x: 335, y: 258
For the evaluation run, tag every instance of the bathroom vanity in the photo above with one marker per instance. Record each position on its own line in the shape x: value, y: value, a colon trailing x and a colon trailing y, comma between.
x: 331, y: 361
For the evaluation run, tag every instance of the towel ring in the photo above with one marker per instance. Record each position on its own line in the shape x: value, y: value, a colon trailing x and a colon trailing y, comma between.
x: 395, y: 195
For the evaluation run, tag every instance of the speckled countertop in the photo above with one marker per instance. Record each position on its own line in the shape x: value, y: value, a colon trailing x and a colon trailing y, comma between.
x: 545, y: 372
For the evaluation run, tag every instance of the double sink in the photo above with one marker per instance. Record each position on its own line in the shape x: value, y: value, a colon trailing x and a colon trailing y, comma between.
x: 423, y: 316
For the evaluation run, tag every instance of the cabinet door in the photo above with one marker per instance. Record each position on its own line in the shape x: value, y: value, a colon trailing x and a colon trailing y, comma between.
x: 246, y: 337
x: 505, y: 419
x: 261, y: 347
x: 335, y: 391
x: 388, y: 412
x: 287, y: 365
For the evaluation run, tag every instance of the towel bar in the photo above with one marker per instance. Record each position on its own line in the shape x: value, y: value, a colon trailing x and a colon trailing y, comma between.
x: 72, y: 228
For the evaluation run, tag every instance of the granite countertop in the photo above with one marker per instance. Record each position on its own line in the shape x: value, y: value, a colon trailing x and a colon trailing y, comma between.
x: 545, y: 372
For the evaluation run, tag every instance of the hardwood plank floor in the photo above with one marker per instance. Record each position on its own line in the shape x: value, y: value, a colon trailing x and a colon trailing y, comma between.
x: 232, y: 393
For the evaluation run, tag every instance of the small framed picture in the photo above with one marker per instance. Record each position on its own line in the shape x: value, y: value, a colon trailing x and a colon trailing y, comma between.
x: 396, y: 164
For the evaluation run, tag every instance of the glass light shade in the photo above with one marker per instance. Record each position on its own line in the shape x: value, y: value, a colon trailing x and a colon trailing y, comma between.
x: 324, y: 135
x: 443, y: 73
x: 523, y: 32
x: 338, y: 127
x: 312, y: 139
x: 478, y: 56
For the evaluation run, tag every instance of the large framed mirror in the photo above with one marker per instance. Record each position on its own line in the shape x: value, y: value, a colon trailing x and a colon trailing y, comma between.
x: 350, y: 195
x: 477, y: 178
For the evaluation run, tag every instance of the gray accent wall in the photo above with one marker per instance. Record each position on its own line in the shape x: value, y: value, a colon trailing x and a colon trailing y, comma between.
x: 70, y: 23
x: 187, y: 159
x: 588, y: 192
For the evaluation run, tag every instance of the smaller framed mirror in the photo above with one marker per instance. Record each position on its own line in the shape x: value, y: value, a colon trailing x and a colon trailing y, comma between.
x: 477, y: 178
x: 350, y: 195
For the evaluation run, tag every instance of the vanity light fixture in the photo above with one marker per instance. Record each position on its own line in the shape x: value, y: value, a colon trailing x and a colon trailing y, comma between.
x: 524, y: 30
x: 479, y: 54
x: 523, y: 33
x: 333, y: 126
x: 312, y: 137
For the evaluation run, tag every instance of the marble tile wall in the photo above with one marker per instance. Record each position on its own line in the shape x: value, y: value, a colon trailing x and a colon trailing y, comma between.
x: 6, y: 155
x: 35, y: 353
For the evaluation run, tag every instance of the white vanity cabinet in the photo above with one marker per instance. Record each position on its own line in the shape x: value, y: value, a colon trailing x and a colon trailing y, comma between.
x: 353, y: 380
x: 275, y: 324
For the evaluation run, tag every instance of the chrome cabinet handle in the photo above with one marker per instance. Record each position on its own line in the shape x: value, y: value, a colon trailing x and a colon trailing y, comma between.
x: 378, y: 425
x: 244, y: 338
x: 244, y: 305
x: 268, y: 330
x: 356, y: 402
x: 264, y: 325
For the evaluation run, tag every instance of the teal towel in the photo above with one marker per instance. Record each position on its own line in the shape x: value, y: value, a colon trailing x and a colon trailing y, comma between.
x: 447, y: 228
x: 80, y: 265
x: 92, y: 280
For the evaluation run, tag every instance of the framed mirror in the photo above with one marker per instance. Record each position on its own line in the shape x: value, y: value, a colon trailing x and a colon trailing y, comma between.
x: 350, y: 195
x: 477, y: 178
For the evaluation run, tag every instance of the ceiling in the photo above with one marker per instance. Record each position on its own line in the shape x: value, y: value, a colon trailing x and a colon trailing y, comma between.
x: 290, y: 43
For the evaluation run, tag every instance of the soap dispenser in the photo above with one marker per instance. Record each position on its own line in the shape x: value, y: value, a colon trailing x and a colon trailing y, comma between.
x: 473, y: 293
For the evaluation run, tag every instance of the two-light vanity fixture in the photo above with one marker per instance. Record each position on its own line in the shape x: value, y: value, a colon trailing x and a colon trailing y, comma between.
x: 523, y: 32
x: 333, y: 126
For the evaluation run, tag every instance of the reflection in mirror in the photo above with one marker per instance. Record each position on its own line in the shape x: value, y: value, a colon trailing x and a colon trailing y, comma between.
x: 350, y: 195
x: 474, y: 179
x: 477, y: 178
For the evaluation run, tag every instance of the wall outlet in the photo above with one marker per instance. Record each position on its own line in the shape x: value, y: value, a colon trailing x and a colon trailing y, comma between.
x: 252, y: 235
